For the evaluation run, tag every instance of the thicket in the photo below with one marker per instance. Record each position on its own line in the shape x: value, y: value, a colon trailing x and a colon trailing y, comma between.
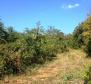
x: 19, y: 51
x: 82, y: 39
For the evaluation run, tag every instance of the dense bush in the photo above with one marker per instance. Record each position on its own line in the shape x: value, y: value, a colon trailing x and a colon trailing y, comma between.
x: 82, y: 33
x: 19, y: 51
x: 88, y: 48
x: 78, y: 37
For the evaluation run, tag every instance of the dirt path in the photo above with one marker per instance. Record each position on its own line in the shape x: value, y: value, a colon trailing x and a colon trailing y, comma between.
x: 68, y: 68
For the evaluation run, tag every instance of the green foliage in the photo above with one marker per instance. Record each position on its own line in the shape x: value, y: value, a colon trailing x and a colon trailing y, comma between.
x: 77, y: 36
x: 88, y: 48
x: 86, y: 38
x: 19, y: 51
x: 82, y: 33
x: 12, y: 34
x: 3, y: 33
x: 87, y: 79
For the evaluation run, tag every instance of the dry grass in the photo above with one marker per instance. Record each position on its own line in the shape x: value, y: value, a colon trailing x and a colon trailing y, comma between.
x: 68, y: 68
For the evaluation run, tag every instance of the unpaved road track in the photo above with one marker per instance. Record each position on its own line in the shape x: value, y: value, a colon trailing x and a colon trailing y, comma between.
x: 68, y: 68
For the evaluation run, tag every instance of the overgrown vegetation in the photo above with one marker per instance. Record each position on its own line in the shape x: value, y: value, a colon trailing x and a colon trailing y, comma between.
x: 19, y: 51
x: 82, y: 36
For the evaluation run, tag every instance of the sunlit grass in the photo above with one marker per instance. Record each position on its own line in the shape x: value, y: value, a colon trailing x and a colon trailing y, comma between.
x: 69, y: 68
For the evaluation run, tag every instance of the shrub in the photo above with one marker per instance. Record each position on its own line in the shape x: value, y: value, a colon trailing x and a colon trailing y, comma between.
x: 88, y: 48
x: 88, y: 77
x: 23, y: 50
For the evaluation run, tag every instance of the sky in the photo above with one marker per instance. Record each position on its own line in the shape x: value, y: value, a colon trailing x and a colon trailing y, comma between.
x: 63, y: 14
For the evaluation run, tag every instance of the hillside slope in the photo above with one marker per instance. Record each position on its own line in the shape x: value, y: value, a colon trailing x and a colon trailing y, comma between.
x: 68, y: 68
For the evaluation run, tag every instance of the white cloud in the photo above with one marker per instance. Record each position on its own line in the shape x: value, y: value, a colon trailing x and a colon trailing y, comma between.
x: 70, y: 6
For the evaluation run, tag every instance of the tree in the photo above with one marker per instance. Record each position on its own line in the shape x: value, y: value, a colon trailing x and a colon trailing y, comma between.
x: 77, y: 35
x: 52, y: 31
x: 3, y: 33
x: 87, y: 29
x: 12, y: 34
